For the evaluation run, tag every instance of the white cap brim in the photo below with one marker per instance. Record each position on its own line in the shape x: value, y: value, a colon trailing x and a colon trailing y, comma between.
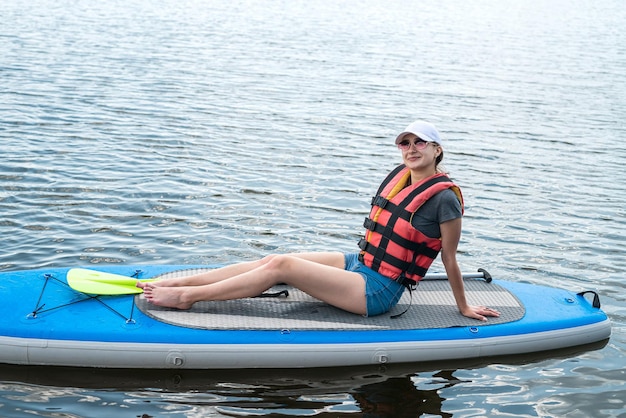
x: 423, y: 130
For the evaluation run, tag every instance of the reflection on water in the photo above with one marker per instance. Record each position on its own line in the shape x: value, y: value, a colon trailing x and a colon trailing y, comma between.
x: 399, y: 396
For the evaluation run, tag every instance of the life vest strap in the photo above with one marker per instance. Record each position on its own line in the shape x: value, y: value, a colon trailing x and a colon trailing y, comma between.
x: 404, y: 266
x: 412, y: 245
x: 406, y: 282
x: 411, y: 286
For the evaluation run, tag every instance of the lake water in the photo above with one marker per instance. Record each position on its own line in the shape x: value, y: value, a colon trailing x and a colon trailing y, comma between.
x: 197, y: 132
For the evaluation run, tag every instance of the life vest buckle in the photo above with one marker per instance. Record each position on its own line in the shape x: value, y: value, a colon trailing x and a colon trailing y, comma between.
x: 369, y: 224
x: 380, y: 201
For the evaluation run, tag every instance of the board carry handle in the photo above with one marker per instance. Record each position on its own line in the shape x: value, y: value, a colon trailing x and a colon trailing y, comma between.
x: 596, y: 298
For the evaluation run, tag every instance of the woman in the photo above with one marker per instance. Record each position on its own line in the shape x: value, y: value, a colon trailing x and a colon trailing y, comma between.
x: 416, y: 213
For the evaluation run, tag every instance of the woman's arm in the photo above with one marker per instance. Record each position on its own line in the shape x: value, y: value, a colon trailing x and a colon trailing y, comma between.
x: 450, y: 236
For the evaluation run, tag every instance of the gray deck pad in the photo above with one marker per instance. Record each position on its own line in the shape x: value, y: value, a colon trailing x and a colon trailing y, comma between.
x: 431, y: 306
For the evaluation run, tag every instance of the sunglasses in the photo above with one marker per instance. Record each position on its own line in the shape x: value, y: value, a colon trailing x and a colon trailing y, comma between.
x: 420, y: 144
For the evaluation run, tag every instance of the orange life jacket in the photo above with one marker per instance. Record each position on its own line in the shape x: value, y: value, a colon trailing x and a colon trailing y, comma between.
x: 392, y: 246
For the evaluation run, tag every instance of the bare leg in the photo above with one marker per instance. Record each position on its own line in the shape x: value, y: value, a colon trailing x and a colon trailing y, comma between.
x: 208, y: 277
x: 226, y: 272
x: 321, y: 275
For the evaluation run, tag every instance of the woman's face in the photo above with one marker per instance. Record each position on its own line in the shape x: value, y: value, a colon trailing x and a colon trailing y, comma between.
x: 418, y: 154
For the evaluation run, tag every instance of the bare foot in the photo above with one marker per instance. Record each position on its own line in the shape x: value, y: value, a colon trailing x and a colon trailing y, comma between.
x: 169, y: 297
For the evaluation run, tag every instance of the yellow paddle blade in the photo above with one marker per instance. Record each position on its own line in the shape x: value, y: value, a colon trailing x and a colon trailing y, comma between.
x: 100, y: 283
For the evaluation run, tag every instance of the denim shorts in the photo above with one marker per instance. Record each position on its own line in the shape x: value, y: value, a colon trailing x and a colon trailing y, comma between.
x: 381, y: 292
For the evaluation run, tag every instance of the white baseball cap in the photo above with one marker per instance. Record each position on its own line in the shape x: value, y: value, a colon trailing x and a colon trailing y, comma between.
x: 423, y: 130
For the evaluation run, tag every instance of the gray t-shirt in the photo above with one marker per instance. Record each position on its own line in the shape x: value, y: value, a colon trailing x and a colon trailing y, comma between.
x: 442, y: 207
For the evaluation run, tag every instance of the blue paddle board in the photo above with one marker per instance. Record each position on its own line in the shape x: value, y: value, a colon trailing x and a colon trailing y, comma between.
x: 45, y: 321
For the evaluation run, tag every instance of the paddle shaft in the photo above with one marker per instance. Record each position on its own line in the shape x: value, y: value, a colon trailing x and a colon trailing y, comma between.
x: 95, y: 282
x: 482, y: 275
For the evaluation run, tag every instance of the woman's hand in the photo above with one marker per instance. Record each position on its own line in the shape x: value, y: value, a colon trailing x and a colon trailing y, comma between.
x: 479, y: 312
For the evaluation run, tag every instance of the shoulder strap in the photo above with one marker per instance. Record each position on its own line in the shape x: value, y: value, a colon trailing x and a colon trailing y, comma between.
x: 390, y: 177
